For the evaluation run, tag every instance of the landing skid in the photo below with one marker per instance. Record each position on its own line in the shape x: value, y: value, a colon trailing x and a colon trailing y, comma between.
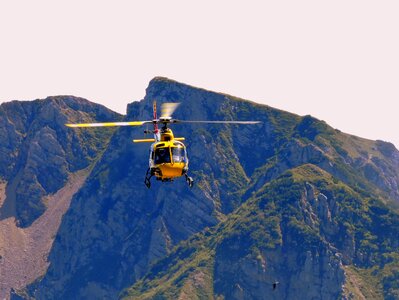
x: 150, y: 173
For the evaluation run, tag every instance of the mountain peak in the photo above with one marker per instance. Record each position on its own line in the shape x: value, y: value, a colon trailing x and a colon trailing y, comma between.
x: 161, y: 79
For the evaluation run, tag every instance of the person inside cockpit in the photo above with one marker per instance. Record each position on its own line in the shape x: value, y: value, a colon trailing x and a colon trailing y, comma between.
x: 162, y: 156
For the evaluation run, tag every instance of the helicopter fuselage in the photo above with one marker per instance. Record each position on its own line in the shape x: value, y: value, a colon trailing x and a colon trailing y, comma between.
x: 168, y: 160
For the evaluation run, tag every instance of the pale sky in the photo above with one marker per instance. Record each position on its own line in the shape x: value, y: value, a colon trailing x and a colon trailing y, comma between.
x: 336, y: 60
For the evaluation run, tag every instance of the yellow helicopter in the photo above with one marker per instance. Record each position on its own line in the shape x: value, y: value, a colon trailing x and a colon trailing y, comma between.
x: 168, y: 156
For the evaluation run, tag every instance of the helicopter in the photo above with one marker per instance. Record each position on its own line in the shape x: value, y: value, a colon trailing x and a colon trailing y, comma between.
x: 168, y: 155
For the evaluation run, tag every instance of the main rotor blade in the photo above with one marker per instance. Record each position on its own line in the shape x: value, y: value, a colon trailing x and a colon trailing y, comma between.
x: 167, y: 109
x: 217, y: 122
x: 109, y: 124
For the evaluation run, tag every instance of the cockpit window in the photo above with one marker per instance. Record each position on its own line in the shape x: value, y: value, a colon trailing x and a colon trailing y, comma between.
x: 178, y: 154
x: 162, y: 155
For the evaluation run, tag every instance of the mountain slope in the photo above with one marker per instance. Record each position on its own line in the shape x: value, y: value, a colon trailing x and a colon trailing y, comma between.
x: 116, y: 230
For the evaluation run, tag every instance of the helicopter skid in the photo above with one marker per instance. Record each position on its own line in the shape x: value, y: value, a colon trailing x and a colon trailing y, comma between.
x: 159, y: 177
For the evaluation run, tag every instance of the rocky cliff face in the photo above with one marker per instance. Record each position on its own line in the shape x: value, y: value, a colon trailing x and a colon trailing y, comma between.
x: 290, y: 199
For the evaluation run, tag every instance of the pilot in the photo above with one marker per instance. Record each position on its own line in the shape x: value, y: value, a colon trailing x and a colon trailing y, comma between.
x: 162, y: 156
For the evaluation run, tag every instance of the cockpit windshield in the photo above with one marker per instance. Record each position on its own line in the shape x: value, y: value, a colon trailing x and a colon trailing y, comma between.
x: 178, y: 154
x: 162, y: 156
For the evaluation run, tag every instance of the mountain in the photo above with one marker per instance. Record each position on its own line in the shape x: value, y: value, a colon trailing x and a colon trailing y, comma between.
x: 289, y: 200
